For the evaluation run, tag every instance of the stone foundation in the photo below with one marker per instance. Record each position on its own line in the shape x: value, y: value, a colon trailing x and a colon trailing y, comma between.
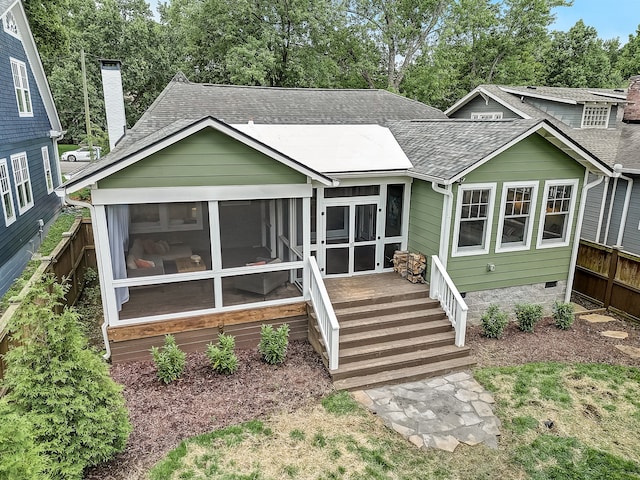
x: 507, y: 298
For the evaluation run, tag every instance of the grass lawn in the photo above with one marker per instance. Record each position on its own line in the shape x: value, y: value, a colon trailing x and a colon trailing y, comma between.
x: 595, y: 410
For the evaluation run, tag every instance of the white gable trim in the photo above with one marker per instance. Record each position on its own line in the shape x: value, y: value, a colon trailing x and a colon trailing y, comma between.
x: 196, y: 127
x: 484, y: 94
x: 35, y: 64
x: 552, y: 135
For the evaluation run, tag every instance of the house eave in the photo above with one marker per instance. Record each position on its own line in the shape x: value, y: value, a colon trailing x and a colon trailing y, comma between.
x: 484, y: 94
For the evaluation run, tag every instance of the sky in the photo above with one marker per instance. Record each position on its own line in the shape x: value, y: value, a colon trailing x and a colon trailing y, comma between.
x: 611, y: 18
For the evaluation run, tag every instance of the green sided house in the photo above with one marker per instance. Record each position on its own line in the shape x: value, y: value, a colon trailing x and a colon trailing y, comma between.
x: 225, y: 207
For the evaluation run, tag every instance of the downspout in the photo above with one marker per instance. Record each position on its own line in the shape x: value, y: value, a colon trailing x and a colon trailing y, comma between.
x: 602, y: 204
x: 625, y: 208
x: 611, y: 201
x: 96, y: 241
x: 445, y: 224
x: 576, y: 238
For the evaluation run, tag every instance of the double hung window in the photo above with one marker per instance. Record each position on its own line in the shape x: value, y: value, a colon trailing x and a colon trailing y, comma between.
x: 21, y: 85
x: 23, y: 182
x: 5, y: 192
x: 48, y: 176
x: 517, y: 210
x: 473, y: 219
x: 556, y: 216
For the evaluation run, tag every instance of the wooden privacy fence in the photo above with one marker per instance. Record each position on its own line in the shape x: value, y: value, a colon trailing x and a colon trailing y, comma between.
x: 609, y: 277
x: 69, y: 261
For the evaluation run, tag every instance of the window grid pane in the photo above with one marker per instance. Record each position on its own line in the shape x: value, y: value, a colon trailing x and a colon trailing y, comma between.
x: 23, y: 182
x: 21, y: 86
x: 556, y: 216
x: 473, y: 218
x: 516, y: 215
x: 595, y: 116
x: 5, y: 191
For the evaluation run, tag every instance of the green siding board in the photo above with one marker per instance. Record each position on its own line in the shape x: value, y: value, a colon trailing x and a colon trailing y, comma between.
x: 424, y: 219
x: 203, y: 159
x: 531, y: 159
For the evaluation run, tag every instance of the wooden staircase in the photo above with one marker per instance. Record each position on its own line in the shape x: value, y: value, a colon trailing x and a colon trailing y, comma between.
x: 390, y: 338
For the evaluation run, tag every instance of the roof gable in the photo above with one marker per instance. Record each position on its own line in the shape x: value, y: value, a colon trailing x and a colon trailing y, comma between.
x: 170, y: 136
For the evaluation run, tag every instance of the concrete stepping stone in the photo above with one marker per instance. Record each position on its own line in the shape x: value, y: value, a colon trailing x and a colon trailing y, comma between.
x: 633, y: 352
x: 614, y: 334
x: 578, y: 308
x: 597, y: 318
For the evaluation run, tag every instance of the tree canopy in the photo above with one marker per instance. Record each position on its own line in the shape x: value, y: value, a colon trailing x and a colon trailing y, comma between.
x: 431, y: 50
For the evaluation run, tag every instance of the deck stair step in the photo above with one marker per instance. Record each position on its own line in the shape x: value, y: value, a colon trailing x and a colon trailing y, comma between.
x: 403, y: 375
x: 364, y: 311
x: 376, y: 350
x: 385, y: 298
x: 394, y: 335
x: 377, y: 321
x: 401, y: 360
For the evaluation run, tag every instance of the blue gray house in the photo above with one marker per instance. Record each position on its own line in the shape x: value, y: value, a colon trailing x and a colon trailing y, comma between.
x: 606, y: 122
x: 29, y: 130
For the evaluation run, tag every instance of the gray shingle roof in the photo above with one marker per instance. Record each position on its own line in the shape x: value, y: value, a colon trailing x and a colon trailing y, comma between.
x: 578, y: 95
x: 629, y: 149
x: 183, y: 103
x: 603, y: 143
x: 5, y: 4
x: 443, y: 149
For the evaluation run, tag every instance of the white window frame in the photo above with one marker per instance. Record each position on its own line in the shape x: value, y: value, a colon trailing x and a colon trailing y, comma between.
x: 486, y: 115
x: 20, y: 76
x: 9, y: 24
x: 587, y: 106
x: 5, y: 189
x: 468, y: 251
x: 553, y: 243
x: 46, y: 163
x: 22, y: 179
x: 513, y: 247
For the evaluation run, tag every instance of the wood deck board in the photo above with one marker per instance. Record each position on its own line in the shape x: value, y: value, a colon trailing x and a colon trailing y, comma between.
x: 370, y: 286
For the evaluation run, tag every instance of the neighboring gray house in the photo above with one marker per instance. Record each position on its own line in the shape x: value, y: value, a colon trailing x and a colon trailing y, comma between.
x: 606, y: 122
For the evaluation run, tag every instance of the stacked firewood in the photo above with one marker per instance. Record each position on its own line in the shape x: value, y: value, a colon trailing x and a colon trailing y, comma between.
x: 410, y: 265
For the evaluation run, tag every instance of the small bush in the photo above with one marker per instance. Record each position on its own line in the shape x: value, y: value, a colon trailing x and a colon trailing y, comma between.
x: 273, y: 343
x: 222, y: 357
x: 494, y: 321
x: 169, y: 360
x: 563, y: 315
x: 527, y: 315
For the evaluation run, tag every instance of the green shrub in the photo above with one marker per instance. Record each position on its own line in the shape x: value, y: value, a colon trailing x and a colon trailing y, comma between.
x: 62, y: 387
x: 222, y: 357
x: 20, y: 457
x: 494, y: 321
x: 527, y: 315
x: 169, y: 360
x: 273, y: 343
x: 563, y: 315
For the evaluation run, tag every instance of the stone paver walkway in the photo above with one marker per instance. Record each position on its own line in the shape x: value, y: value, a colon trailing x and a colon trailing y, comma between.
x: 438, y: 412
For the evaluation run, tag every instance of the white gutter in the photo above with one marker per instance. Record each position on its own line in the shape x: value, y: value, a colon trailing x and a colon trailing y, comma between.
x: 611, y: 201
x: 97, y: 243
x: 445, y: 224
x: 576, y: 238
x: 602, y: 204
x: 625, y: 209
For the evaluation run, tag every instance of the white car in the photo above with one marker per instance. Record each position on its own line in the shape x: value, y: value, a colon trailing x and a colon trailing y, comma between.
x: 83, y: 154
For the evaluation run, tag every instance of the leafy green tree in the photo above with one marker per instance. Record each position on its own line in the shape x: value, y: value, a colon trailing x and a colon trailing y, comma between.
x: 63, y: 387
x: 578, y: 58
x: 628, y: 62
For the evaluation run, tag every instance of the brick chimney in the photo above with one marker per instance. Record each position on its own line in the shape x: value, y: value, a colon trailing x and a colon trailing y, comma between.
x: 632, y: 109
x: 113, y: 100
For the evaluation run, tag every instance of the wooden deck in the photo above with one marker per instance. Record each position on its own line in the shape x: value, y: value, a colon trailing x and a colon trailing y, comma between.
x: 368, y: 287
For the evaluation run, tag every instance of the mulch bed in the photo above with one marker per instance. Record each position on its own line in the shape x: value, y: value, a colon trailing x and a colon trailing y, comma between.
x: 163, y: 415
x: 202, y: 401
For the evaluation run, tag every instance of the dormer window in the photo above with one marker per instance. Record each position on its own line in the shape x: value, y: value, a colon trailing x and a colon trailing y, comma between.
x: 9, y: 24
x: 596, y: 116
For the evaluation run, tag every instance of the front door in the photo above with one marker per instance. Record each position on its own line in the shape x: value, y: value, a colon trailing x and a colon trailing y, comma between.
x: 351, y: 237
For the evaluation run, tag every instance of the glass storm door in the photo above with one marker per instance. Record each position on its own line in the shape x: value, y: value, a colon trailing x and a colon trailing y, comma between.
x: 351, y: 238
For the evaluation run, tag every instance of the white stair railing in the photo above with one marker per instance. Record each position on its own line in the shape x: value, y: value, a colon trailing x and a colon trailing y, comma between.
x: 326, y: 317
x: 443, y: 289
